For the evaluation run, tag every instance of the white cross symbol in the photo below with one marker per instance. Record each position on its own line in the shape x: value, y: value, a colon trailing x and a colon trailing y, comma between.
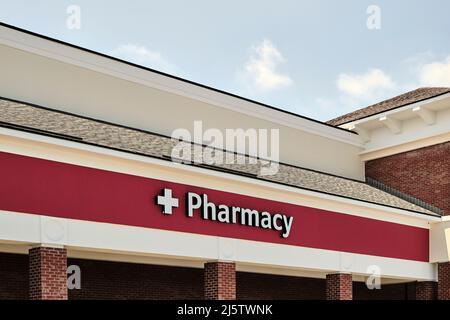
x: 167, y: 201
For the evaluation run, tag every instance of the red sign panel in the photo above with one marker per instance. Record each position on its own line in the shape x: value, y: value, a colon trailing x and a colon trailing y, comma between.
x: 50, y: 188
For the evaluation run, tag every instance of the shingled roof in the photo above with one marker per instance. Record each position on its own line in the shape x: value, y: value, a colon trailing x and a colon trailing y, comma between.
x: 396, y: 102
x: 35, y: 119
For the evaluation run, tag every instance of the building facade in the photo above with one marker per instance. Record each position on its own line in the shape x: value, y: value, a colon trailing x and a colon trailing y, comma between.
x: 90, y: 189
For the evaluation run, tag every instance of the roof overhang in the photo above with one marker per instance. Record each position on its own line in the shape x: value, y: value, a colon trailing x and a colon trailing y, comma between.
x: 405, y: 128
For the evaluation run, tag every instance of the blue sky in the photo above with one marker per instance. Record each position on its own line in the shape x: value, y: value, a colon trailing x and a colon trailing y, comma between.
x: 316, y: 58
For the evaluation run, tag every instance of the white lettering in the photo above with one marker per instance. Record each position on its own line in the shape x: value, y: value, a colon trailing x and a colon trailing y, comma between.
x: 230, y: 214
x: 193, y: 202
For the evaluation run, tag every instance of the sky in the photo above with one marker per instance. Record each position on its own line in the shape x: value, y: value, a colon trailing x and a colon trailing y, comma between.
x: 316, y: 58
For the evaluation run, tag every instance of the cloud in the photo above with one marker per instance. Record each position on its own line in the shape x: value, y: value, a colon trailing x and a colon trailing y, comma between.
x: 375, y: 85
x: 365, y: 87
x: 260, y: 71
x: 418, y: 60
x: 435, y: 74
x: 143, y: 56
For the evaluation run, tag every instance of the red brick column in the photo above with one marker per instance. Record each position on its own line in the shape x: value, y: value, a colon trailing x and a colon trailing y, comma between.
x: 444, y: 281
x: 426, y: 290
x: 48, y: 273
x: 339, y: 286
x: 220, y: 281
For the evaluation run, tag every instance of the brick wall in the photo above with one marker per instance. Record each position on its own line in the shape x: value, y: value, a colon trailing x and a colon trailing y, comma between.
x: 47, y: 274
x: 220, y: 281
x: 339, y: 286
x: 423, y: 173
x: 13, y: 276
x: 256, y: 286
x: 426, y: 290
x: 400, y: 291
x: 118, y: 280
x: 444, y: 281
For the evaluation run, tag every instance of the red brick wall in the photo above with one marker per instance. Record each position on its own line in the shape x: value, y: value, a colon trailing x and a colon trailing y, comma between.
x: 13, y: 276
x: 444, y: 281
x: 400, y: 291
x: 220, y: 281
x: 339, y: 286
x: 256, y: 286
x: 423, y: 173
x: 47, y: 274
x: 118, y: 280
x: 426, y: 290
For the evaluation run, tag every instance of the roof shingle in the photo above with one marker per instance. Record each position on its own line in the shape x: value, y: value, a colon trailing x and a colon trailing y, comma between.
x: 396, y: 102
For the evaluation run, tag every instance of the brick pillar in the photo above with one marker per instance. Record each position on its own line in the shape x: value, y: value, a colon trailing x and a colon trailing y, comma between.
x: 220, y: 281
x: 339, y: 286
x: 444, y: 281
x: 426, y: 290
x: 48, y: 273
